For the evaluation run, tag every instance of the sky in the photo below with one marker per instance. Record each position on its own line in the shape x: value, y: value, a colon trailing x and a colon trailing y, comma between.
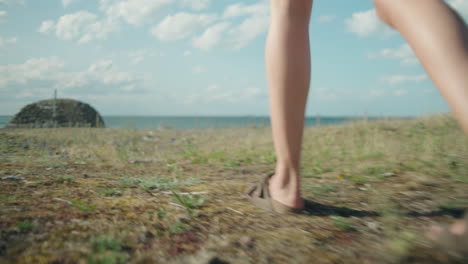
x: 202, y: 57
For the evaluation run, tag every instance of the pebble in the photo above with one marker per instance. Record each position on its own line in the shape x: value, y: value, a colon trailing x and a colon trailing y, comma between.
x: 388, y: 174
x: 184, y: 218
x: 12, y: 178
x: 246, y: 241
x: 373, y: 226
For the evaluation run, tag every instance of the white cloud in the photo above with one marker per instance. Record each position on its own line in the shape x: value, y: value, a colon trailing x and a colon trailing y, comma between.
x: 104, y: 71
x: 32, y: 69
x: 6, y: 41
x: 241, y: 9
x: 251, y: 27
x: 100, y: 77
x: 366, y: 23
x: 227, y: 96
x: 213, y: 87
x: 134, y: 12
x: 404, y: 53
x: 47, y: 27
x: 67, y: 3
x: 326, y: 18
x: 247, y: 31
x: 82, y: 26
x: 196, y: 4
x: 199, y: 69
x: 72, y: 26
x: 252, y: 92
x: 187, y: 53
x: 399, y: 79
x: 216, y: 94
x: 138, y: 56
x: 181, y: 25
x: 3, y: 16
x: 212, y: 37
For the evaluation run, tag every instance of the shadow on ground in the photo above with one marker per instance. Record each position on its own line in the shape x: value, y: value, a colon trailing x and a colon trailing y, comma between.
x: 318, y: 209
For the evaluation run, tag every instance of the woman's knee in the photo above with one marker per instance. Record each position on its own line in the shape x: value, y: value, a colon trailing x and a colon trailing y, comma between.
x: 384, y: 9
x: 292, y: 8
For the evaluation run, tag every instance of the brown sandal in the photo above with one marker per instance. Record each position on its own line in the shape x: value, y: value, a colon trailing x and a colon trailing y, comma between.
x: 259, y: 195
x: 451, y: 243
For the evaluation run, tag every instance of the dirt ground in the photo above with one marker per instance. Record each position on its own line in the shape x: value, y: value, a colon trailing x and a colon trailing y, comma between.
x: 83, y: 195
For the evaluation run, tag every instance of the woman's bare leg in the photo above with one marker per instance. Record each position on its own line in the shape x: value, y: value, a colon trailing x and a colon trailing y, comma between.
x: 288, y: 74
x: 439, y: 37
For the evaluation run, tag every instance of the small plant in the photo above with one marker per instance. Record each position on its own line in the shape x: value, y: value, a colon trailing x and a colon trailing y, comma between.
x: 176, y: 228
x: 198, y: 159
x: 161, y: 213
x: 54, y: 165
x: 315, y: 169
x: 342, y: 224
x: 232, y: 163
x: 66, y: 179
x: 158, y: 183
x: 190, y: 202
x: 269, y: 157
x: 102, y: 243
x: 5, y: 198
x: 128, y: 182
x: 111, y: 192
x: 454, y: 205
x: 24, y: 226
x: 82, y: 206
x: 172, y: 166
x: 106, y: 250
x: 192, y: 181
x: 324, y: 188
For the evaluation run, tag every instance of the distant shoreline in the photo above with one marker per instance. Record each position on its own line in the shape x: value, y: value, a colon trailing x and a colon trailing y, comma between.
x: 214, y: 122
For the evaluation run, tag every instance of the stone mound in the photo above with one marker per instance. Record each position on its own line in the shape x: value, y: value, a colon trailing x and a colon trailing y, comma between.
x: 69, y: 113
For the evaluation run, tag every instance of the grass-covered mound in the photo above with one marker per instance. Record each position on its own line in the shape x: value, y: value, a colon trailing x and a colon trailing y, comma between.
x: 69, y: 113
x: 125, y: 196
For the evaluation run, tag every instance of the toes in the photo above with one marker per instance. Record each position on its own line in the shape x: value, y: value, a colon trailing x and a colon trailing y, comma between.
x: 434, y: 231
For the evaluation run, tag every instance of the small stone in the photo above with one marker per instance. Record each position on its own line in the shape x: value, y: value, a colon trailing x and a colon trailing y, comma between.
x: 388, y: 174
x: 12, y: 178
x: 184, y: 218
x: 246, y: 241
x: 362, y: 189
x: 374, y: 226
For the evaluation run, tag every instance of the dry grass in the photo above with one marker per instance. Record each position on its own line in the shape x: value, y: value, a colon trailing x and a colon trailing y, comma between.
x: 106, y: 196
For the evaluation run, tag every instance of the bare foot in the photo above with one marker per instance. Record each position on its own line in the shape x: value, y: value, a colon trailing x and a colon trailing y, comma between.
x: 457, y: 228
x: 452, y: 239
x: 287, y: 194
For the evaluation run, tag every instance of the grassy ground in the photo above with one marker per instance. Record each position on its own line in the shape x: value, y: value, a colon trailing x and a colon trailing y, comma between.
x: 127, y: 196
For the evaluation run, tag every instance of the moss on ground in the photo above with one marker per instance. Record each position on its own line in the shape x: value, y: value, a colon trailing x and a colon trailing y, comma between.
x: 86, y: 195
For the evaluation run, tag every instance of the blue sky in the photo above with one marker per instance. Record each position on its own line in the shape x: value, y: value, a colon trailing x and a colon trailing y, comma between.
x: 202, y: 57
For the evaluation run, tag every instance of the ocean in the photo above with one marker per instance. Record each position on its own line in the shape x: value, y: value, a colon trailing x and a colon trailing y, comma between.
x: 197, y: 122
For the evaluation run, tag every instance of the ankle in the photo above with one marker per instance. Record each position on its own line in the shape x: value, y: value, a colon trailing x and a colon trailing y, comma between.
x: 286, y: 177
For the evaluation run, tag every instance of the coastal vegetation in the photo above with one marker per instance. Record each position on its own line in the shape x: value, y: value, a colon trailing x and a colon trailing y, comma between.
x: 95, y: 195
